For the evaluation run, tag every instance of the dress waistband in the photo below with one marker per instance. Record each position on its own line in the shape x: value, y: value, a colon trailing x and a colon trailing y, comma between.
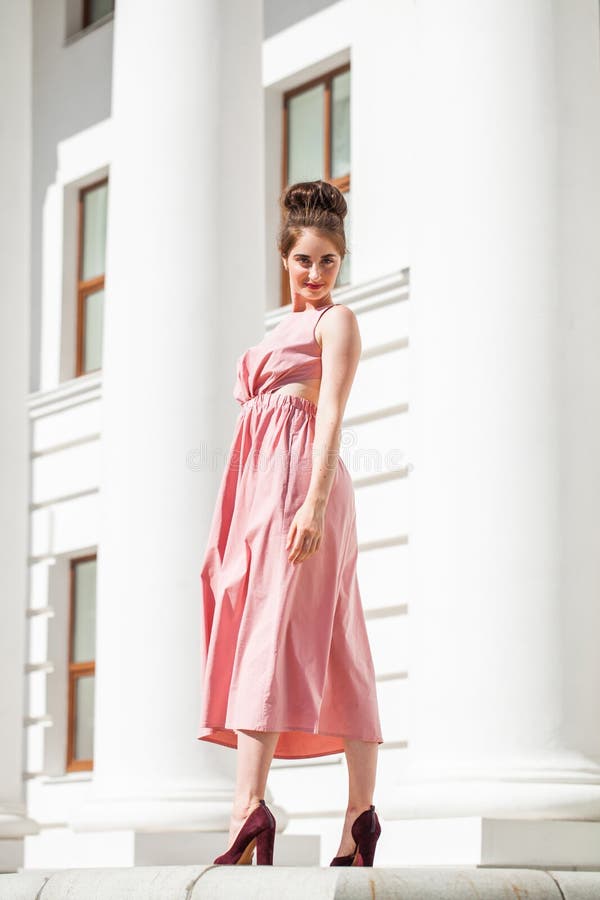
x: 271, y: 398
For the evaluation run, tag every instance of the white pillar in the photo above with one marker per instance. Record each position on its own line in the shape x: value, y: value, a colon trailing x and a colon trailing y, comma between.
x: 185, y: 230
x: 504, y: 675
x: 15, y: 230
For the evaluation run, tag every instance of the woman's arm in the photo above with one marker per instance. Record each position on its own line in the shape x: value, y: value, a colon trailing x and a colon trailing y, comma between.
x: 340, y: 355
x: 341, y: 349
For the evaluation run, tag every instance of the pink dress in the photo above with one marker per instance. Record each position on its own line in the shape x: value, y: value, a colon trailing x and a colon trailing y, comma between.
x: 285, y: 646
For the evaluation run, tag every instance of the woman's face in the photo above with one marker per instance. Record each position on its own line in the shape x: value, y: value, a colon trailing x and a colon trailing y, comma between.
x: 313, y: 260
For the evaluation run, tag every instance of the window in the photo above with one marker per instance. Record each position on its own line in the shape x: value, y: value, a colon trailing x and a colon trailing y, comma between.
x: 316, y: 143
x: 90, y: 276
x: 96, y: 9
x: 82, y: 664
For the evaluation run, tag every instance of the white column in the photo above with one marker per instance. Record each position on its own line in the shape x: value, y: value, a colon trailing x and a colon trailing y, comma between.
x: 504, y: 670
x: 185, y: 245
x: 15, y: 190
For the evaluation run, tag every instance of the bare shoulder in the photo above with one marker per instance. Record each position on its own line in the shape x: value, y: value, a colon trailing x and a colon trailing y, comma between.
x: 338, y: 325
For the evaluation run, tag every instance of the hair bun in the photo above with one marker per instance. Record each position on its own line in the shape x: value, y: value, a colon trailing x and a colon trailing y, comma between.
x: 312, y: 204
x: 310, y: 196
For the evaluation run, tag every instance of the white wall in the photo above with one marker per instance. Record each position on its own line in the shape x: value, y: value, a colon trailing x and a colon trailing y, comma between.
x: 71, y: 92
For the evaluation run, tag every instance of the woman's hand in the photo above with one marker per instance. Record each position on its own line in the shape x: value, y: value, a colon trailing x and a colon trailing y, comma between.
x: 306, y: 531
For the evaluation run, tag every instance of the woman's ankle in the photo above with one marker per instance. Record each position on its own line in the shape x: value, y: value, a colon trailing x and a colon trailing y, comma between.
x: 355, y: 809
x: 241, y: 810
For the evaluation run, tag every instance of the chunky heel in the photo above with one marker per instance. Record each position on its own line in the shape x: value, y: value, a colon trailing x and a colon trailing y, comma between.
x: 265, y: 842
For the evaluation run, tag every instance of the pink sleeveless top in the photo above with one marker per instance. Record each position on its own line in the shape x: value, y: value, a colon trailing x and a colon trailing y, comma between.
x: 287, y: 353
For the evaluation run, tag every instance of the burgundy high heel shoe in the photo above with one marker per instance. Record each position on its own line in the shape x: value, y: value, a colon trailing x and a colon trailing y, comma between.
x: 365, y: 831
x: 258, y: 830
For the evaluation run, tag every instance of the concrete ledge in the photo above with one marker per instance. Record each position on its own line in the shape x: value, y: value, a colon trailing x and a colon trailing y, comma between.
x: 299, y: 883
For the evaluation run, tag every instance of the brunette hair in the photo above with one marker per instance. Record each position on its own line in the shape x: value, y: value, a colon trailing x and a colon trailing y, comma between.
x: 312, y: 204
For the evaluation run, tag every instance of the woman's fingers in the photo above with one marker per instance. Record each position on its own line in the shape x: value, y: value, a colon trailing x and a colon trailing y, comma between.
x: 302, y: 549
x: 296, y: 549
x: 304, y: 546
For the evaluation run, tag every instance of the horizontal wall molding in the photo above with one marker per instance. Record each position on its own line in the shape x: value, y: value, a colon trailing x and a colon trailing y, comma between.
x: 85, y: 389
x: 373, y: 415
x: 64, y: 498
x: 401, y: 343
x: 39, y: 611
x: 310, y: 762
x: 66, y: 445
x: 391, y: 676
x: 46, y: 666
x: 46, y: 720
x: 379, y: 477
x: 387, y: 612
x: 392, y: 541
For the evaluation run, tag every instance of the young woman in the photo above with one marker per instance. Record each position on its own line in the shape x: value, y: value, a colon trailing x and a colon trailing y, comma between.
x: 287, y: 667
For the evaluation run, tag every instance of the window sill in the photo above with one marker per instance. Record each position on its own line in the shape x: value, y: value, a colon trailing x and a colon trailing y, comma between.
x: 68, y: 777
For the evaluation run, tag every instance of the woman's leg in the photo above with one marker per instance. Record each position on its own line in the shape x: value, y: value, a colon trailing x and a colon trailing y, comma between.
x: 361, y: 757
x: 254, y: 756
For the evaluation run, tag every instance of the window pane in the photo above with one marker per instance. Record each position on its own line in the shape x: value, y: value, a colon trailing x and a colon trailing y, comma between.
x: 84, y: 717
x: 99, y: 8
x: 93, y: 307
x: 94, y: 231
x: 84, y: 626
x: 306, y: 135
x: 344, y: 273
x: 340, y: 125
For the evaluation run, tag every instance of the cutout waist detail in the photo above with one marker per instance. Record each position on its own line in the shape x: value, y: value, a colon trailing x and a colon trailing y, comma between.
x: 273, y: 398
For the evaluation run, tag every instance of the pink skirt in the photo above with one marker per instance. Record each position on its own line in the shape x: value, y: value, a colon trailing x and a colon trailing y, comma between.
x: 285, y: 646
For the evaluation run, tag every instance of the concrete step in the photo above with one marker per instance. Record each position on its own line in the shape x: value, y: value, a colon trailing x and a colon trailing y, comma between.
x: 299, y: 883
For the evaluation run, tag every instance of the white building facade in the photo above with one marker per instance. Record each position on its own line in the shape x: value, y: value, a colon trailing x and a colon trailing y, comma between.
x: 143, y: 155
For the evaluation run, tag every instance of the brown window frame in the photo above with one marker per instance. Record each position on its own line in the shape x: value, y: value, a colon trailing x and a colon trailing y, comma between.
x: 84, y: 287
x: 343, y: 182
x: 75, y: 671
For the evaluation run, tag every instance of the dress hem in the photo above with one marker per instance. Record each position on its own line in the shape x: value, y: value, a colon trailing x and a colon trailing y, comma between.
x: 213, y: 738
